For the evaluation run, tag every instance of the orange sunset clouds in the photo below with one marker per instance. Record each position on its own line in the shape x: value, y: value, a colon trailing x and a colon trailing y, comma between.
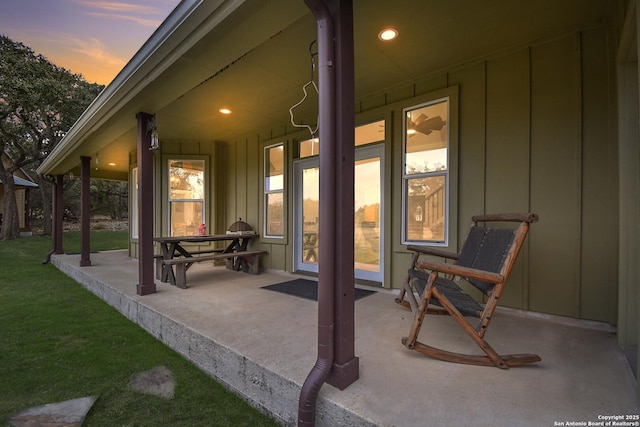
x: 95, y: 38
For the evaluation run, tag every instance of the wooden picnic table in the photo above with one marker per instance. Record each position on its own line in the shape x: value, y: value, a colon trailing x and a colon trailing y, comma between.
x: 176, y: 251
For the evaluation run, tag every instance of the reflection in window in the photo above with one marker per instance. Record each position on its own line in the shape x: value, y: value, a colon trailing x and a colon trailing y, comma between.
x: 426, y: 172
x: 274, y: 190
x: 369, y: 133
x: 367, y: 226
x: 364, y: 134
x: 309, y: 147
x: 186, y: 196
x: 310, y: 214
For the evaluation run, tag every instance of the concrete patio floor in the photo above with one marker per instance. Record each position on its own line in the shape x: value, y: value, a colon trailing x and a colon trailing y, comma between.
x: 262, y: 344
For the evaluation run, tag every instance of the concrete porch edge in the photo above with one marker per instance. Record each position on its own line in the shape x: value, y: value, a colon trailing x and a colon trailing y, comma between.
x: 261, y: 345
x: 263, y: 389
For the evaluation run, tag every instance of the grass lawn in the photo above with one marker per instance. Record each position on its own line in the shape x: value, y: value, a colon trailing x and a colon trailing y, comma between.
x: 59, y: 342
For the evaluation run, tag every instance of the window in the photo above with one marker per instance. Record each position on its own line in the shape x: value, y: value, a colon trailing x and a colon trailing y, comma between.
x: 425, y: 176
x: 134, y: 203
x: 364, y: 134
x: 309, y: 148
x: 370, y: 133
x: 186, y: 196
x: 274, y: 191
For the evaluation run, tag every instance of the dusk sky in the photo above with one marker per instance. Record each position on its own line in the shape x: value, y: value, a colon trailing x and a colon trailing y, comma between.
x: 95, y: 38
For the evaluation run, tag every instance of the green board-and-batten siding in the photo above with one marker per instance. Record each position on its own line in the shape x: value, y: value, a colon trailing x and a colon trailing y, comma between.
x: 535, y: 133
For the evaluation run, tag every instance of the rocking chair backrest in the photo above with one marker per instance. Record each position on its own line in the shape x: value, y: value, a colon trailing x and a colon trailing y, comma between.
x: 486, y: 249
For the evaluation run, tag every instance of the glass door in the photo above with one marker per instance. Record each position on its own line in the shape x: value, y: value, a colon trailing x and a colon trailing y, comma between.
x: 368, y: 222
x: 307, y: 215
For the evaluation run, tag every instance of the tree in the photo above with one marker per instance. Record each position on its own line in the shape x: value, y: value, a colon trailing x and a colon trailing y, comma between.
x: 39, y: 102
x: 110, y: 198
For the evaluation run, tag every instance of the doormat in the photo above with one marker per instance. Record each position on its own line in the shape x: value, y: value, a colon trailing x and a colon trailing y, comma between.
x: 308, y: 289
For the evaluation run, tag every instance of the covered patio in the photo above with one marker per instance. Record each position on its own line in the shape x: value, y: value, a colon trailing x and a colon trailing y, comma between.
x: 526, y: 119
x: 218, y: 323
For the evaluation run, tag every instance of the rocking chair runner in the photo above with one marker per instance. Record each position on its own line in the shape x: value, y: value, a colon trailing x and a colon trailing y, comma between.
x: 485, y: 261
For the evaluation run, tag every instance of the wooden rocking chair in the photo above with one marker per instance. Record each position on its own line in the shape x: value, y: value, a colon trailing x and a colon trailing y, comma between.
x: 485, y: 262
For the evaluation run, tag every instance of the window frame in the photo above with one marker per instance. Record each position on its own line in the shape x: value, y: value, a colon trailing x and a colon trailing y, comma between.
x: 266, y: 191
x: 378, y: 146
x: 205, y: 190
x: 446, y: 173
x: 286, y: 192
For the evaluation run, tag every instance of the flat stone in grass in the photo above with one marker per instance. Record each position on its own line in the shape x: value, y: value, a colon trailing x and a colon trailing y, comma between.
x: 157, y: 381
x: 70, y: 413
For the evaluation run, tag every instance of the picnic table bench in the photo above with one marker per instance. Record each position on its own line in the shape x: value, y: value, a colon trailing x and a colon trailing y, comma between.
x: 176, y: 254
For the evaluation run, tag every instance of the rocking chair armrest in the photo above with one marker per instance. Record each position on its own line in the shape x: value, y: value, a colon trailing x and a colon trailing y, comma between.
x: 456, y: 270
x: 432, y: 251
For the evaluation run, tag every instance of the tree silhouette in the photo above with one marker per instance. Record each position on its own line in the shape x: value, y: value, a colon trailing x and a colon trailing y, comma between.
x: 39, y: 102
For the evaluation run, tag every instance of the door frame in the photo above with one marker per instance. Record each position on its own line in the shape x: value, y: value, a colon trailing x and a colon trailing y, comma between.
x: 361, y: 153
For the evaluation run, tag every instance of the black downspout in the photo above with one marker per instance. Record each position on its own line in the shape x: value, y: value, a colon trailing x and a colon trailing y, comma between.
x: 327, y: 226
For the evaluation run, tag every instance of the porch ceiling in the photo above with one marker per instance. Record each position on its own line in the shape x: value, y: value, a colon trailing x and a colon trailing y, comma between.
x: 255, y: 60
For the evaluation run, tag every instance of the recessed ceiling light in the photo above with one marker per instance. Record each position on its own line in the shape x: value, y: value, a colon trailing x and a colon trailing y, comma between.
x: 112, y: 164
x: 388, y: 34
x: 225, y: 111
